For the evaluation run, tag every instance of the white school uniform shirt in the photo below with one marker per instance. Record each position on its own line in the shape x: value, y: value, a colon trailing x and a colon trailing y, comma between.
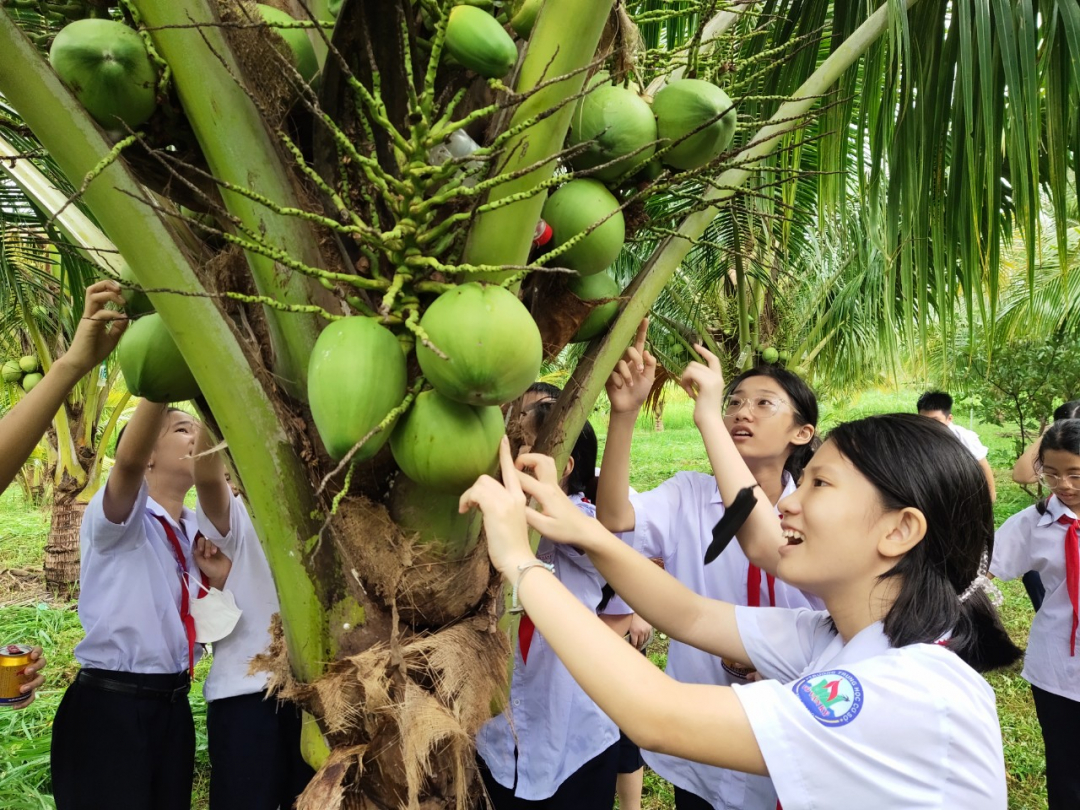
x: 674, y: 522
x: 252, y: 585
x: 1026, y: 542
x: 555, y: 727
x: 129, y: 604
x: 970, y: 439
x: 864, y: 725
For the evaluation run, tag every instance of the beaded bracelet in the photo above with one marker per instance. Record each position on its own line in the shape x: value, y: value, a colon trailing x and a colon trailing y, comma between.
x: 515, y: 606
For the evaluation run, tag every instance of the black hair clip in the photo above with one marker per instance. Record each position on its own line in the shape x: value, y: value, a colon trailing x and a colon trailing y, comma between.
x: 728, y: 526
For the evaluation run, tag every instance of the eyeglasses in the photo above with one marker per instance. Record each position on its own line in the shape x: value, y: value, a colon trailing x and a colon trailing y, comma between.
x: 761, y: 407
x: 1055, y: 481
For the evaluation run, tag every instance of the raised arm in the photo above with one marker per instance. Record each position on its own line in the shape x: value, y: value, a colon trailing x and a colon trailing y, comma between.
x: 694, y: 721
x: 760, y: 536
x: 651, y: 592
x: 96, y: 336
x: 627, y: 389
x: 132, y: 456
x: 1023, y: 471
x: 211, y: 486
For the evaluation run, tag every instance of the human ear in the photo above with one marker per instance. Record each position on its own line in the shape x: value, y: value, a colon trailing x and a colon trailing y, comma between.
x: 803, y: 435
x: 905, y: 528
x: 569, y: 468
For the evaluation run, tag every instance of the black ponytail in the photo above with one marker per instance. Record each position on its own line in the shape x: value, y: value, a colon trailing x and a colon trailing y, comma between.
x: 916, y: 462
x: 804, y: 405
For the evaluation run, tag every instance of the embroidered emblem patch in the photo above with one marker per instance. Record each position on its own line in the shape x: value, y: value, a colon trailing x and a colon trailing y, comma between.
x: 835, y: 698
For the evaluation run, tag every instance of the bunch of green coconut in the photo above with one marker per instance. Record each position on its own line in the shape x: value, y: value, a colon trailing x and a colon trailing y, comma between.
x: 25, y: 372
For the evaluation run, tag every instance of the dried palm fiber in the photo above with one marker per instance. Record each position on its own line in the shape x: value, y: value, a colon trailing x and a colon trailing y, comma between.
x: 264, y: 58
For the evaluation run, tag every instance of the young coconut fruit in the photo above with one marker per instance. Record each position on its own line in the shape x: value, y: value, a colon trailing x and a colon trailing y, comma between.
x: 446, y: 445
x: 433, y: 515
x: 136, y: 303
x: 769, y: 354
x: 356, y: 376
x: 617, y: 123
x: 30, y: 380
x: 574, y: 208
x: 12, y: 371
x: 683, y: 106
x: 593, y: 288
x: 29, y: 363
x: 106, y: 65
x: 296, y: 38
x: 476, y: 40
x: 152, y: 364
x: 492, y: 345
x: 523, y: 14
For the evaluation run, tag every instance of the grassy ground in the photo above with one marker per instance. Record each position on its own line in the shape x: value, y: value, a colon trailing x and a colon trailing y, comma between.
x: 27, y: 617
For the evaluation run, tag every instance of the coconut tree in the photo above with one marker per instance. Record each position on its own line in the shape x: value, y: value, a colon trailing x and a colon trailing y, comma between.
x: 298, y: 232
x: 42, y: 278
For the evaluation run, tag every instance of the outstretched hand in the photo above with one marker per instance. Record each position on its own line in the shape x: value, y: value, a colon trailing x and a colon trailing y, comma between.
x: 558, y: 518
x: 704, y: 383
x: 503, y: 505
x: 99, y: 329
x: 629, y: 384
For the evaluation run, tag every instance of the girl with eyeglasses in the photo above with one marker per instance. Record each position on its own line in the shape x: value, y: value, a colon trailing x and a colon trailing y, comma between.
x: 770, y: 414
x: 1043, y: 538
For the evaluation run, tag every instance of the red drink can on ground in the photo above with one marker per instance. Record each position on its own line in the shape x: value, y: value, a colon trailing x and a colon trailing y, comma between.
x: 13, y: 660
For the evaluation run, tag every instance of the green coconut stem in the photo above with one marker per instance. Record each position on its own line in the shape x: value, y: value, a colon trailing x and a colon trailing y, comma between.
x: 274, y: 477
x: 504, y: 236
x: 240, y: 150
x: 587, y: 381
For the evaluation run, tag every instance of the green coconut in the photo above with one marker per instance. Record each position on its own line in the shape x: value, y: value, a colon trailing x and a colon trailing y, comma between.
x: 296, y: 38
x: 523, y: 14
x: 784, y: 356
x: 356, y: 376
x: 476, y: 40
x: 683, y: 106
x: 447, y: 445
x: 492, y: 345
x: 136, y: 303
x: 769, y: 354
x: 29, y: 363
x: 615, y: 122
x: 106, y: 65
x: 574, y: 208
x: 433, y: 516
x: 152, y: 364
x: 594, y: 288
x: 11, y: 371
x: 30, y: 380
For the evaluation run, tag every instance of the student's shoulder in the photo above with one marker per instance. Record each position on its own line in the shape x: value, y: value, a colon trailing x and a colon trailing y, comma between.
x: 1022, y: 521
x: 928, y: 672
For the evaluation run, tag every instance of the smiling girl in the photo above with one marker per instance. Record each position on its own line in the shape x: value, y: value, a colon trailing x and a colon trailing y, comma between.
x: 875, y: 701
x: 1043, y: 538
x: 769, y: 415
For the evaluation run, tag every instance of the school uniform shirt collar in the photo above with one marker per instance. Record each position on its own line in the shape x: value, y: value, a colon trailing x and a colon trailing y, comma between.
x: 1054, y: 511
x: 187, y: 517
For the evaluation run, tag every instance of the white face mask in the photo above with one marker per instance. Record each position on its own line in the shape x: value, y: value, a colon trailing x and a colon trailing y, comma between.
x: 215, y: 615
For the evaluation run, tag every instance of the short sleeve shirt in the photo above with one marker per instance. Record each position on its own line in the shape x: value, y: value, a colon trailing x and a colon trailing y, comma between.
x: 129, y: 604
x: 674, y: 523
x: 865, y: 725
x: 551, y: 724
x: 252, y: 586
x: 970, y: 439
x: 1028, y: 541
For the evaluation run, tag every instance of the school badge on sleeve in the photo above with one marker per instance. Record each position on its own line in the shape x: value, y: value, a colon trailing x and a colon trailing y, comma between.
x: 834, y: 698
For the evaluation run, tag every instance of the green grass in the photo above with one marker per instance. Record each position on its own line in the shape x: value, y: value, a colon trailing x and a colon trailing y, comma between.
x: 25, y: 735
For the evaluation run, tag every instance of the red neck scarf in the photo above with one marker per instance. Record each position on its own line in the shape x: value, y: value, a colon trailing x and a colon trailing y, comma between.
x: 1072, y: 573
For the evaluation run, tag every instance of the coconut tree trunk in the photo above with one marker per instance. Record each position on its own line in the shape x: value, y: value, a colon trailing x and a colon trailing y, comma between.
x: 62, y: 545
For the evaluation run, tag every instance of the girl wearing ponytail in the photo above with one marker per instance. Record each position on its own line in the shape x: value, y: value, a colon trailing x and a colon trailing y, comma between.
x: 1043, y: 538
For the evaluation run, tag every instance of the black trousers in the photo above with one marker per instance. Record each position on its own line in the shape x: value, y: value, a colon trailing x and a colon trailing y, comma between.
x: 254, y: 747
x: 1059, y: 718
x: 590, y: 787
x: 114, y: 750
x: 685, y: 800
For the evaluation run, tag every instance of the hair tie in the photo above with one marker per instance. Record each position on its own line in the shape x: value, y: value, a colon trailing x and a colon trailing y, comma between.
x: 984, y: 583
